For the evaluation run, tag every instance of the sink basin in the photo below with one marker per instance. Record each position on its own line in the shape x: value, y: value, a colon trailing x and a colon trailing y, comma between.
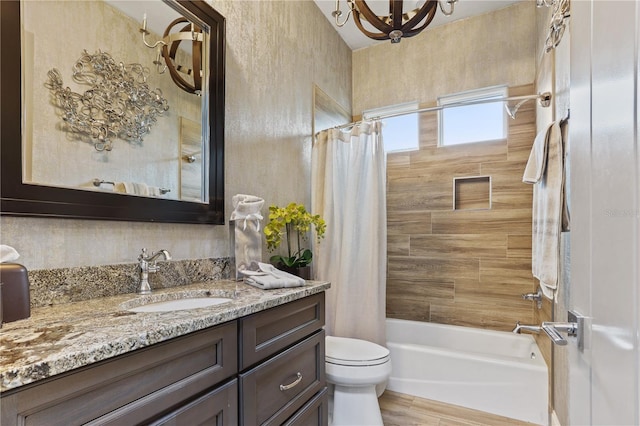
x: 181, y: 304
x: 179, y: 301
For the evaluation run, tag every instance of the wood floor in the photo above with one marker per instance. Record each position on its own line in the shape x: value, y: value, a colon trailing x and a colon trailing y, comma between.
x: 406, y: 410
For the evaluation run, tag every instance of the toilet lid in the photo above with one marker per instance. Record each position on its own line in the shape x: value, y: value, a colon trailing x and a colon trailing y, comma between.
x: 345, y: 351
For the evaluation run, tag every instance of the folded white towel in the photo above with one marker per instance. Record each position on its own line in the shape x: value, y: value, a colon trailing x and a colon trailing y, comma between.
x: 270, y: 277
x: 119, y: 187
x: 545, y: 170
x: 131, y: 188
x: 154, y: 191
x: 8, y: 254
x: 538, y: 158
x: 138, y: 188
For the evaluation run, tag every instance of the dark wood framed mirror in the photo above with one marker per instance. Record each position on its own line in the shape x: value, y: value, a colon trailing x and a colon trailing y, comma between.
x: 20, y: 198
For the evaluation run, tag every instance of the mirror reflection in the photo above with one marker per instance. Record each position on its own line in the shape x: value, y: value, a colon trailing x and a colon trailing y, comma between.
x: 115, y: 99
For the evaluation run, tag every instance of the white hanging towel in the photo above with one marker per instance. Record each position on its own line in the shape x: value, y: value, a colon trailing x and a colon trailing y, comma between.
x: 545, y: 170
x: 247, y: 239
x: 538, y: 157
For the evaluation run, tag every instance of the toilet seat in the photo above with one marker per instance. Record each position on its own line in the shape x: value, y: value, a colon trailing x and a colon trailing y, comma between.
x: 354, y: 352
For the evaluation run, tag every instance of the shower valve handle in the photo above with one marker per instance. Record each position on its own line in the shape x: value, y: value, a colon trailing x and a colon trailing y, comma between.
x: 537, y: 297
x: 552, y: 330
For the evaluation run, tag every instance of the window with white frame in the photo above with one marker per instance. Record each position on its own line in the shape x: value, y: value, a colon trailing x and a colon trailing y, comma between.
x: 399, y: 133
x: 479, y: 122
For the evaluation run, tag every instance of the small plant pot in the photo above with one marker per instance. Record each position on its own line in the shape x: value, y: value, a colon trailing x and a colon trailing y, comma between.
x: 304, y: 272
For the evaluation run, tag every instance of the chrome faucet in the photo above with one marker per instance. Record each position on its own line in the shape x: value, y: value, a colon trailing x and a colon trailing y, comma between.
x: 551, y: 329
x: 536, y: 297
x: 147, y: 264
x: 530, y: 328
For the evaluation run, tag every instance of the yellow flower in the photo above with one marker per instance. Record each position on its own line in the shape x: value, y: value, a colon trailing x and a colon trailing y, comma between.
x: 287, y: 221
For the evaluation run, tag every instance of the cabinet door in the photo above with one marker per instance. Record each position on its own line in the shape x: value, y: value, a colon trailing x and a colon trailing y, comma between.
x: 274, y: 390
x: 218, y: 407
x: 135, y: 386
x: 314, y: 412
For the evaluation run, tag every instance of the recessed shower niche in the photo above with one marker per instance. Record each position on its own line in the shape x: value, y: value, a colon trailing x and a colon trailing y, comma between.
x: 472, y: 193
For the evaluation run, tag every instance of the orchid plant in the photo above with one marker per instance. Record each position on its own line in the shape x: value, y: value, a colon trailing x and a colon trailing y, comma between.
x: 292, y: 223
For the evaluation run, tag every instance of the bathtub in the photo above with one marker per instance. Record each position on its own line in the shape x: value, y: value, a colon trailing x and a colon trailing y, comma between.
x: 492, y: 371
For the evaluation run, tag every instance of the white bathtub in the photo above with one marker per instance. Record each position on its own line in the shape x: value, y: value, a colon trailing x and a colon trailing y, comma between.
x: 492, y: 371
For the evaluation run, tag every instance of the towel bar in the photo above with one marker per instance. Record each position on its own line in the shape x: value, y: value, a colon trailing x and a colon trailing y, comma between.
x: 98, y: 182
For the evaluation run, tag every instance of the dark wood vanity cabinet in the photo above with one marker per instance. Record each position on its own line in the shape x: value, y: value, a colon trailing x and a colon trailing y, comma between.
x: 228, y: 374
x: 282, y: 377
x: 144, y: 386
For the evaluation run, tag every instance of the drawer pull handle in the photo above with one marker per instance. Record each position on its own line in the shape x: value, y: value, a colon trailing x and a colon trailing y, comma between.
x: 292, y: 384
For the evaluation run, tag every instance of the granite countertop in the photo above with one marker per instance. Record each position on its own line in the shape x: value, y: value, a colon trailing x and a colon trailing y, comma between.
x: 60, y: 338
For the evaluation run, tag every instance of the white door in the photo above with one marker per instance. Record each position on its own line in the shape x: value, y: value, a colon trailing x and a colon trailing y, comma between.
x: 605, y: 212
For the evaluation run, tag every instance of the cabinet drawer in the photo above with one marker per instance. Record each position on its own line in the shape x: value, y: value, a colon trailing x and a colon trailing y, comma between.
x: 314, y: 412
x: 265, y: 333
x: 198, y: 361
x: 218, y: 407
x: 275, y: 390
x: 209, y: 406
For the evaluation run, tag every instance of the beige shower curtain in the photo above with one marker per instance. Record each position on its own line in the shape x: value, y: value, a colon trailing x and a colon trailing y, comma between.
x: 348, y: 178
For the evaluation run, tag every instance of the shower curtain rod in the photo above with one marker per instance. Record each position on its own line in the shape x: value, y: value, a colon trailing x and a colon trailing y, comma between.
x: 543, y: 98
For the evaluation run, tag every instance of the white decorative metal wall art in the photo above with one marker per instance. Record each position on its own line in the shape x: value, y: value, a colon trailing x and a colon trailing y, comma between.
x: 118, y: 104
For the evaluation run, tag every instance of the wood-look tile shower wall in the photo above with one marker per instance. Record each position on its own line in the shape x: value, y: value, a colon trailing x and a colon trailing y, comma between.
x: 464, y: 267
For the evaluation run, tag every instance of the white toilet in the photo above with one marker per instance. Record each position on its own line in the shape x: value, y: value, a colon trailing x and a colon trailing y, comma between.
x: 354, y: 368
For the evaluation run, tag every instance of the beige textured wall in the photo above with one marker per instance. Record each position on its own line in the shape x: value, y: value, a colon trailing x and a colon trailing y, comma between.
x: 491, y: 49
x: 276, y: 51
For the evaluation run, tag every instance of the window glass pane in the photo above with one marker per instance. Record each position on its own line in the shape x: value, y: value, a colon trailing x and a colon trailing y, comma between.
x: 473, y: 123
x: 399, y: 133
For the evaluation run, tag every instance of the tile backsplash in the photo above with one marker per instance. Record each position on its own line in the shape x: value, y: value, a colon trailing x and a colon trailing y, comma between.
x: 64, y: 285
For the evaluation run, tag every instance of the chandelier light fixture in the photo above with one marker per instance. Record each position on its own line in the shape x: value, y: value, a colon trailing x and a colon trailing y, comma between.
x: 559, y: 21
x: 188, y: 79
x: 398, y: 23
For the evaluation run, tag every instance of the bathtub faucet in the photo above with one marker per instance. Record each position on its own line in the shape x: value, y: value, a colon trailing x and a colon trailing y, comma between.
x: 551, y: 329
x: 530, y: 328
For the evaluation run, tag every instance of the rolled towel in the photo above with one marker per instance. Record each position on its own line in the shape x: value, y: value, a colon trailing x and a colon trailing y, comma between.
x: 270, y: 277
